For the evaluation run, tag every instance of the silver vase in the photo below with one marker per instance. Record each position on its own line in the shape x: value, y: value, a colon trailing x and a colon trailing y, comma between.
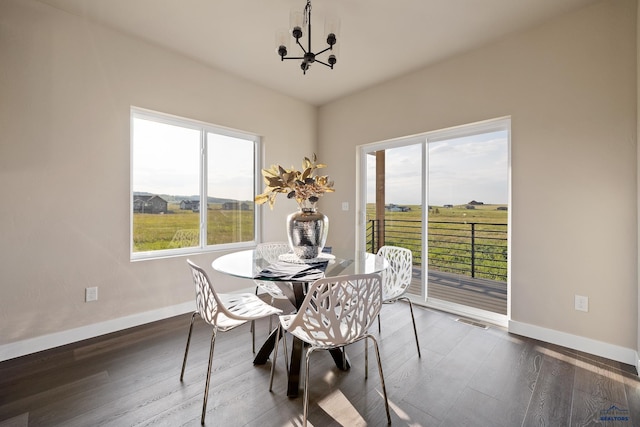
x: 307, y: 231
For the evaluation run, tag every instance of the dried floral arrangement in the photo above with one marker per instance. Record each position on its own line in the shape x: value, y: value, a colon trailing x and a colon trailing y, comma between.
x: 302, y: 185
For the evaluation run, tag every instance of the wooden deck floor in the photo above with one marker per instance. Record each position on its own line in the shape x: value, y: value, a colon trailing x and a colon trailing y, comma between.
x: 483, y: 294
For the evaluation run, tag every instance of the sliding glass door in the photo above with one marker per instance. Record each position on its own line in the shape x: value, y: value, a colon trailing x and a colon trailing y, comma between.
x: 468, y: 219
x: 445, y: 196
x: 394, y: 199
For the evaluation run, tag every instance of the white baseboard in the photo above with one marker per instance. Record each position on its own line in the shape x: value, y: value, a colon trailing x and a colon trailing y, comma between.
x: 45, y: 342
x: 576, y: 342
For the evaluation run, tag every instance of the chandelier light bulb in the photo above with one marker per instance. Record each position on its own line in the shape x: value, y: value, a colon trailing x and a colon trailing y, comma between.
x: 332, y: 28
x: 282, y: 42
x: 296, y: 19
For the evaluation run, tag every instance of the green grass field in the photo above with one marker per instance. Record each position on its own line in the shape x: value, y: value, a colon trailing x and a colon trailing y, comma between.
x: 180, y: 228
x: 459, y: 213
x: 461, y: 240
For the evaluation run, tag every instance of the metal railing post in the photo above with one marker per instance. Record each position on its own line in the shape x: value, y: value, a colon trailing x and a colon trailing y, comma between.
x: 373, y: 236
x: 473, y: 249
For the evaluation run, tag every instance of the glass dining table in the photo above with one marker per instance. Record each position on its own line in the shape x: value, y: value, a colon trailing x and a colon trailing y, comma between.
x: 248, y: 264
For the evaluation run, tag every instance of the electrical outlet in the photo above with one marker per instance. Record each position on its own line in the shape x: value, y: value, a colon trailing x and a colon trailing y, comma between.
x: 91, y: 294
x: 581, y: 303
x: 345, y: 206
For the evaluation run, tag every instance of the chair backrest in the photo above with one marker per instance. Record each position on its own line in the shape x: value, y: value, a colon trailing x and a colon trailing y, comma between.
x: 185, y: 238
x: 207, y: 302
x: 338, y: 310
x: 397, y: 278
x: 270, y: 251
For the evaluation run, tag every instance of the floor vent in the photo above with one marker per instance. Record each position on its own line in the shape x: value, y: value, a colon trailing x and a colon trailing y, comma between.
x: 472, y: 323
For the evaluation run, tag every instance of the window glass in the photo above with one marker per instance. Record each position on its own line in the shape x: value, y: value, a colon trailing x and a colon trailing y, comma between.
x: 189, y: 180
x: 230, y: 189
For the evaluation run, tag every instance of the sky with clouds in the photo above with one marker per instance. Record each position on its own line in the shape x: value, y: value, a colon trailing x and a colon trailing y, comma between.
x: 166, y: 160
x: 460, y: 170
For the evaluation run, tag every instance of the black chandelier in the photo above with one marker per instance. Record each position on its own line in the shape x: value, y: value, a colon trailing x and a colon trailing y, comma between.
x: 298, y: 22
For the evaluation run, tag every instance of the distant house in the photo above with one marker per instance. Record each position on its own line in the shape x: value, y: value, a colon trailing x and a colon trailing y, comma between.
x: 448, y: 206
x: 472, y: 204
x: 502, y: 208
x: 149, y: 204
x: 190, y: 205
x: 395, y: 208
x: 234, y: 206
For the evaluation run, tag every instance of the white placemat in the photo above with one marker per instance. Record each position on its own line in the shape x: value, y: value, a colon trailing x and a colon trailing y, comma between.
x: 293, y: 258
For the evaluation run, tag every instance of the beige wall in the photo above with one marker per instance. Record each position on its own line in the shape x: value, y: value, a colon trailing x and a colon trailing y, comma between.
x: 570, y: 88
x: 66, y: 87
x: 65, y: 91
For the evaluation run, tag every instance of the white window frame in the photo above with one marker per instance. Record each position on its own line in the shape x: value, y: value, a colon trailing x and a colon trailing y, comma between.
x: 203, y: 128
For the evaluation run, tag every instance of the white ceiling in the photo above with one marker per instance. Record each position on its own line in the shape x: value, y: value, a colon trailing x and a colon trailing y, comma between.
x: 379, y: 39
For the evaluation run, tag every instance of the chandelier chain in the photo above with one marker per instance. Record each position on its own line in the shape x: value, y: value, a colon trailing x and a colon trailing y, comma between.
x: 307, y: 13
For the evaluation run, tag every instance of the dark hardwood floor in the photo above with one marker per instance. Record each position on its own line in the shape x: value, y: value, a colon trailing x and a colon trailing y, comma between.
x: 467, y: 376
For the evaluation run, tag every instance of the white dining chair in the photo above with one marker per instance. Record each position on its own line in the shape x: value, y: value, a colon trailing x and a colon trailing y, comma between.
x: 396, y: 280
x: 223, y: 312
x: 336, y: 312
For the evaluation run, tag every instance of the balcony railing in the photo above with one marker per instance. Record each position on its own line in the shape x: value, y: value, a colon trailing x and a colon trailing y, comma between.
x: 474, y: 249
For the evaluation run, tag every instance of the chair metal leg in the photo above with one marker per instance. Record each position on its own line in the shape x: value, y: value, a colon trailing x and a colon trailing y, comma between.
x: 305, y: 410
x: 206, y: 387
x: 253, y: 331
x: 413, y: 319
x: 384, y: 389
x: 186, y: 349
x: 275, y: 355
x: 271, y: 317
